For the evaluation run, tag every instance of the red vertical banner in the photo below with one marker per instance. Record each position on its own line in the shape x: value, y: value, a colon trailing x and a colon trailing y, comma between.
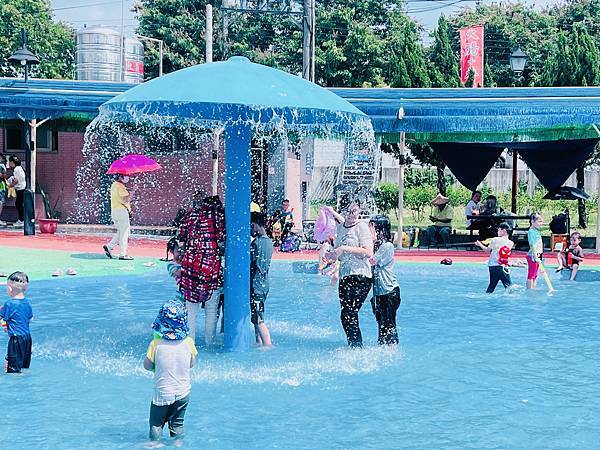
x: 471, y: 54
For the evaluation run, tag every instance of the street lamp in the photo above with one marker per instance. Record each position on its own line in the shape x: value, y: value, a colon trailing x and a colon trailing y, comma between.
x: 517, y: 60
x: 23, y: 56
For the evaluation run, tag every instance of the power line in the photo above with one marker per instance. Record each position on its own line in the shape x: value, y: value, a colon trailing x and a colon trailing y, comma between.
x: 85, y: 5
x: 435, y: 8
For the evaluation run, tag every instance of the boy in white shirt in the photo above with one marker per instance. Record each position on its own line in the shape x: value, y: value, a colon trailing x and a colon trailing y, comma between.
x: 170, y: 357
x: 499, y: 248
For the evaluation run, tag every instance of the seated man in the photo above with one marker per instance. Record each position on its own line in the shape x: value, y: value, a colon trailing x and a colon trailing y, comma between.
x: 473, y: 207
x: 487, y: 224
x: 441, y: 216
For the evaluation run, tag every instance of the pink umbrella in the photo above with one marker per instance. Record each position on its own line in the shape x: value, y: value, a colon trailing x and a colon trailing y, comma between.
x: 132, y: 164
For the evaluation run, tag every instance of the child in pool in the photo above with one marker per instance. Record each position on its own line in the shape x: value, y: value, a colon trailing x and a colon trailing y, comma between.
x: 572, y: 256
x: 498, y: 267
x: 170, y: 356
x: 386, y: 290
x: 536, y: 249
x: 17, y: 314
x: 261, y: 252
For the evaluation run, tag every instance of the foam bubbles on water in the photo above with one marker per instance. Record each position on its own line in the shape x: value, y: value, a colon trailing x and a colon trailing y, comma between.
x: 308, y: 369
x: 281, y: 327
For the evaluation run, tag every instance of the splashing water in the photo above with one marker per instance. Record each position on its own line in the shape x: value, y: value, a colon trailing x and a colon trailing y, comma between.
x: 184, y: 147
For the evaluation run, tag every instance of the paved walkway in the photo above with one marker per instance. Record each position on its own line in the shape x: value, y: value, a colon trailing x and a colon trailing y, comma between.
x: 43, y: 254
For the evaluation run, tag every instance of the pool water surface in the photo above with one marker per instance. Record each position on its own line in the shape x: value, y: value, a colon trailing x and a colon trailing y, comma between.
x: 508, y: 370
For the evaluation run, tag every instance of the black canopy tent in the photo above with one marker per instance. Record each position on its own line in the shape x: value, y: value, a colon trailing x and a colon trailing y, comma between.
x: 553, y: 129
x: 551, y: 161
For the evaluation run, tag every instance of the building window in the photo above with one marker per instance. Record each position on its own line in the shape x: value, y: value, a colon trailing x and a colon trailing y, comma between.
x: 47, y: 139
x: 14, y: 139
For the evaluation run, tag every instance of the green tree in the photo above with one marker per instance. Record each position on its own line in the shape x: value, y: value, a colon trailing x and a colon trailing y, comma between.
x: 426, y: 155
x: 488, y: 76
x: 180, y: 24
x: 507, y: 27
x: 349, y: 38
x: 562, y: 67
x: 444, y: 71
x: 406, y: 65
x: 386, y: 197
x: 52, y: 42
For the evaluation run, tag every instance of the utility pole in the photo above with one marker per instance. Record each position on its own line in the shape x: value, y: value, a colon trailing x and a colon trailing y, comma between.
x: 308, y: 40
x: 208, y: 38
x: 208, y: 35
x: 313, y: 41
x: 160, y: 50
x: 121, y: 71
x: 401, y: 186
x: 307, y: 25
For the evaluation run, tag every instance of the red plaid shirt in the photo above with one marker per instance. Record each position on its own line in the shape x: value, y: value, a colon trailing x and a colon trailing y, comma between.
x: 202, y: 230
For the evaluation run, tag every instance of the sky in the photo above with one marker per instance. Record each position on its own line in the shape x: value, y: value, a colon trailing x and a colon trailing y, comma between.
x: 108, y: 12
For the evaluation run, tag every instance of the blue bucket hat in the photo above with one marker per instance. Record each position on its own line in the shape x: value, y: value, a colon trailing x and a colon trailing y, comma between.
x: 171, y: 322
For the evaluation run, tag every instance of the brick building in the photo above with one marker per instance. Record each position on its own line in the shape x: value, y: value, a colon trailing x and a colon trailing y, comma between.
x: 70, y: 106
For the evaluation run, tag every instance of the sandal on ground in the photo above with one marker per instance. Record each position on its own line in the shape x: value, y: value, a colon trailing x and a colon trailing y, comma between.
x: 71, y: 271
x: 125, y: 258
x: 57, y: 273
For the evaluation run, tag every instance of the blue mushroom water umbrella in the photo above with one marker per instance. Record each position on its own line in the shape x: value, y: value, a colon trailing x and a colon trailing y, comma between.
x: 242, y: 97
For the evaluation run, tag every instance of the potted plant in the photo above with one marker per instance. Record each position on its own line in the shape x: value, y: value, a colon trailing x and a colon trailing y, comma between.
x: 49, y: 224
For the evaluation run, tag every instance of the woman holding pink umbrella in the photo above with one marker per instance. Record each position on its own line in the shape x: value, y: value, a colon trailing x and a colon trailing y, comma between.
x: 120, y: 209
x: 120, y: 199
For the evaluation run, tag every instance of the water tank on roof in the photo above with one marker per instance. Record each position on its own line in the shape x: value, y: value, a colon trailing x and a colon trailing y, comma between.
x: 99, y: 56
x: 134, y: 61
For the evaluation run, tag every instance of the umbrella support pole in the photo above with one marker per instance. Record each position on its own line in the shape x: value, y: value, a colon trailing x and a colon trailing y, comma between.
x: 598, y: 216
x: 515, y: 181
x: 237, y: 245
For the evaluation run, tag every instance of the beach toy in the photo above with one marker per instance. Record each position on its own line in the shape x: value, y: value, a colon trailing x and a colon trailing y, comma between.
x: 325, y: 226
x: 57, y: 273
x: 446, y: 262
x: 71, y: 271
x: 545, y: 275
x: 503, y: 254
x: 3, y: 275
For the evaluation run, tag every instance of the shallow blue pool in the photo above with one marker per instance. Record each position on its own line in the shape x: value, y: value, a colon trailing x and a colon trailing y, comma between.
x: 513, y: 370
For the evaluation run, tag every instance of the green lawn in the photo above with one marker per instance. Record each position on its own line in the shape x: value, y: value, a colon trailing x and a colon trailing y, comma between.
x: 39, y: 264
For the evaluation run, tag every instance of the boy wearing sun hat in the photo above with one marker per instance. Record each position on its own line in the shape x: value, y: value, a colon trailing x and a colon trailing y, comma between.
x: 441, y: 216
x: 170, y: 355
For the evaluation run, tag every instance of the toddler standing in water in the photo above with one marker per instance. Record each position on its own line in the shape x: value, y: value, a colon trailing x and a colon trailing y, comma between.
x: 386, y: 290
x: 536, y: 248
x: 170, y: 356
x: 17, y: 314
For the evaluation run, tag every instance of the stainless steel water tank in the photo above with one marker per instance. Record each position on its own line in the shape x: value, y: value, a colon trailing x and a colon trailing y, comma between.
x: 134, y: 61
x: 99, y: 56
